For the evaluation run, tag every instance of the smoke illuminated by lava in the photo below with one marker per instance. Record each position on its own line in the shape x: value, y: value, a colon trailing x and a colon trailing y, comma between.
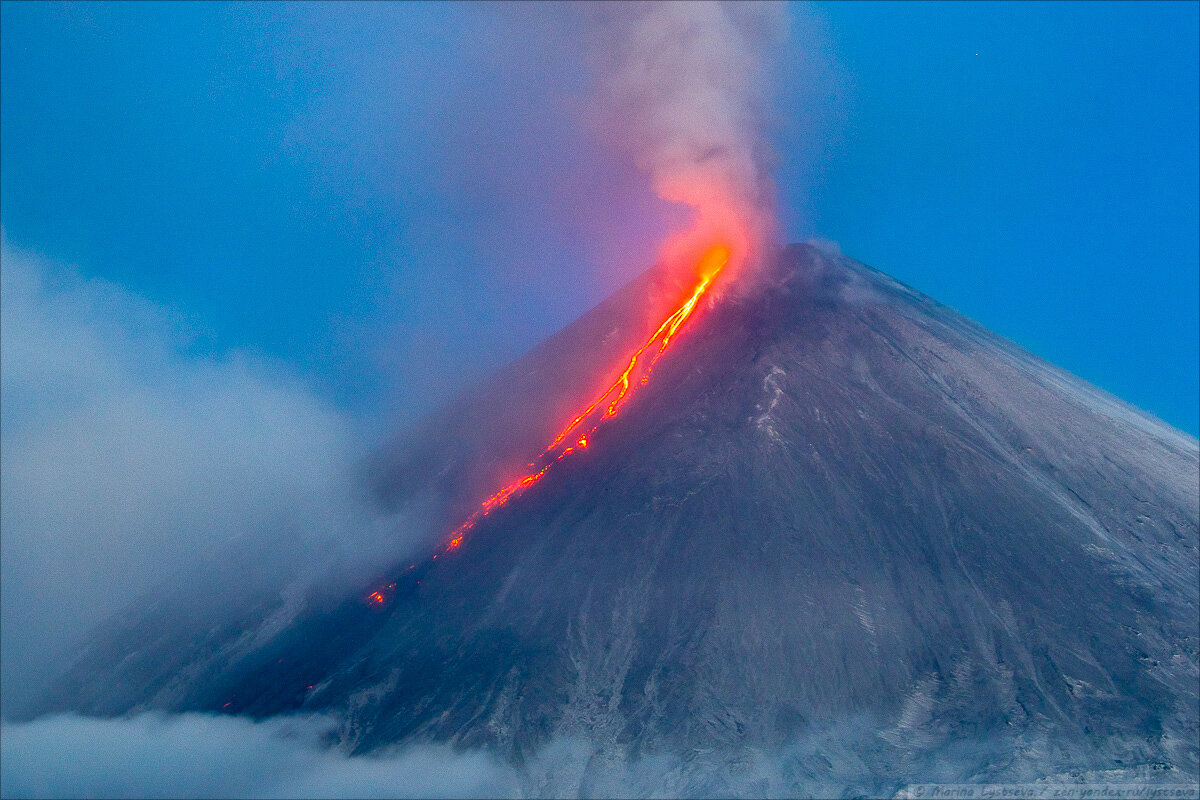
x: 682, y: 89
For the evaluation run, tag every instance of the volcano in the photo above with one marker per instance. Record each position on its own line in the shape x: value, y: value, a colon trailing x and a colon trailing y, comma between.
x: 844, y: 540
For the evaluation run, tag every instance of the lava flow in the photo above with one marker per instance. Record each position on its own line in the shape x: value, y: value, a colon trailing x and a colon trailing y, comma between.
x: 575, y: 436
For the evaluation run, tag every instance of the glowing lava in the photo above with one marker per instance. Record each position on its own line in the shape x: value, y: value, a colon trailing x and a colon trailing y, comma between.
x: 378, y: 597
x: 607, y: 405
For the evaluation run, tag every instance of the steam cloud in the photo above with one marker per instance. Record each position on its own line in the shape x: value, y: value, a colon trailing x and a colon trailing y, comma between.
x: 684, y: 89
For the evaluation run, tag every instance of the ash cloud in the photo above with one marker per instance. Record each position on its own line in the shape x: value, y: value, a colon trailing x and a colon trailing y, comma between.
x: 132, y: 463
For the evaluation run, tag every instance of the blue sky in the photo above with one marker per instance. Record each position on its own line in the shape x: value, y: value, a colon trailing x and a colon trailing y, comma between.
x: 1033, y: 165
x: 393, y: 199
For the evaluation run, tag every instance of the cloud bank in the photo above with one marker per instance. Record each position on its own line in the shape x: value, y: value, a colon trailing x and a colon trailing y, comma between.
x: 194, y: 755
x: 197, y: 755
x: 130, y: 457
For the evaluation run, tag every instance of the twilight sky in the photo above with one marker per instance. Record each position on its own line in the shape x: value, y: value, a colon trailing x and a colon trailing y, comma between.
x: 390, y: 200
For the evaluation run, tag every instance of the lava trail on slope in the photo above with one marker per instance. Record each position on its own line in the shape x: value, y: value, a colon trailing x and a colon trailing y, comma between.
x: 575, y: 435
x: 845, y: 526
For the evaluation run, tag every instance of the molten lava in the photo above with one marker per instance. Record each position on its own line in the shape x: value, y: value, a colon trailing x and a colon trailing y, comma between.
x: 576, y: 435
x: 378, y: 597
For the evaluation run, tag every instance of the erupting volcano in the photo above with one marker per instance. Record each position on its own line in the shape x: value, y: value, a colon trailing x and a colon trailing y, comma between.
x: 844, y: 540
x: 575, y: 436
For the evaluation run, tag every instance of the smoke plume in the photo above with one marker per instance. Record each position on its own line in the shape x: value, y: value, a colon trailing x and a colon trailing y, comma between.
x: 683, y: 88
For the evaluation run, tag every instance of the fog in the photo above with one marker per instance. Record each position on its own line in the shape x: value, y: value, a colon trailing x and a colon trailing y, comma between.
x: 130, y: 456
x: 196, y: 755
x: 192, y: 755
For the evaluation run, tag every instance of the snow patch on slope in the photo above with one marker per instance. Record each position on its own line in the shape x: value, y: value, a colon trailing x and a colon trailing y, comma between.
x: 765, y: 422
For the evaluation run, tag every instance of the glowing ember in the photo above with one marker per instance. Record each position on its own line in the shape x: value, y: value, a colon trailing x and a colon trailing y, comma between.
x: 378, y: 597
x: 607, y: 404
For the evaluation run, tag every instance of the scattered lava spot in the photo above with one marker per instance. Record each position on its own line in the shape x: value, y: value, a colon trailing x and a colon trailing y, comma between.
x: 378, y: 597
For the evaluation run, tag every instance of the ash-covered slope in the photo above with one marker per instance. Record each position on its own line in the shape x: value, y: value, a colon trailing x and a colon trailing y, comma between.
x: 844, y: 530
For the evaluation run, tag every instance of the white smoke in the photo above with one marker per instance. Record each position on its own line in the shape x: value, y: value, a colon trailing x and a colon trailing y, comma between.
x: 684, y: 89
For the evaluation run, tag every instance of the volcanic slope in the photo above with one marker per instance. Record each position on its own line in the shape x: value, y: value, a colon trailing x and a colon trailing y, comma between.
x: 844, y: 539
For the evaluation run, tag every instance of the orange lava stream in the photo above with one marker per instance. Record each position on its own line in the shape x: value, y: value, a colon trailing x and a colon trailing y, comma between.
x: 583, y: 426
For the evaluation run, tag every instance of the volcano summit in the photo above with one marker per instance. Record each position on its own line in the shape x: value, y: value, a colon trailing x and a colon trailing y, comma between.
x: 844, y: 540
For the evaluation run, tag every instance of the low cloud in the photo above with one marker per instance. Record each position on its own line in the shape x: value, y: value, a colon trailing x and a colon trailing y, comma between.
x: 199, y: 755
x: 194, y: 755
x: 130, y: 455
